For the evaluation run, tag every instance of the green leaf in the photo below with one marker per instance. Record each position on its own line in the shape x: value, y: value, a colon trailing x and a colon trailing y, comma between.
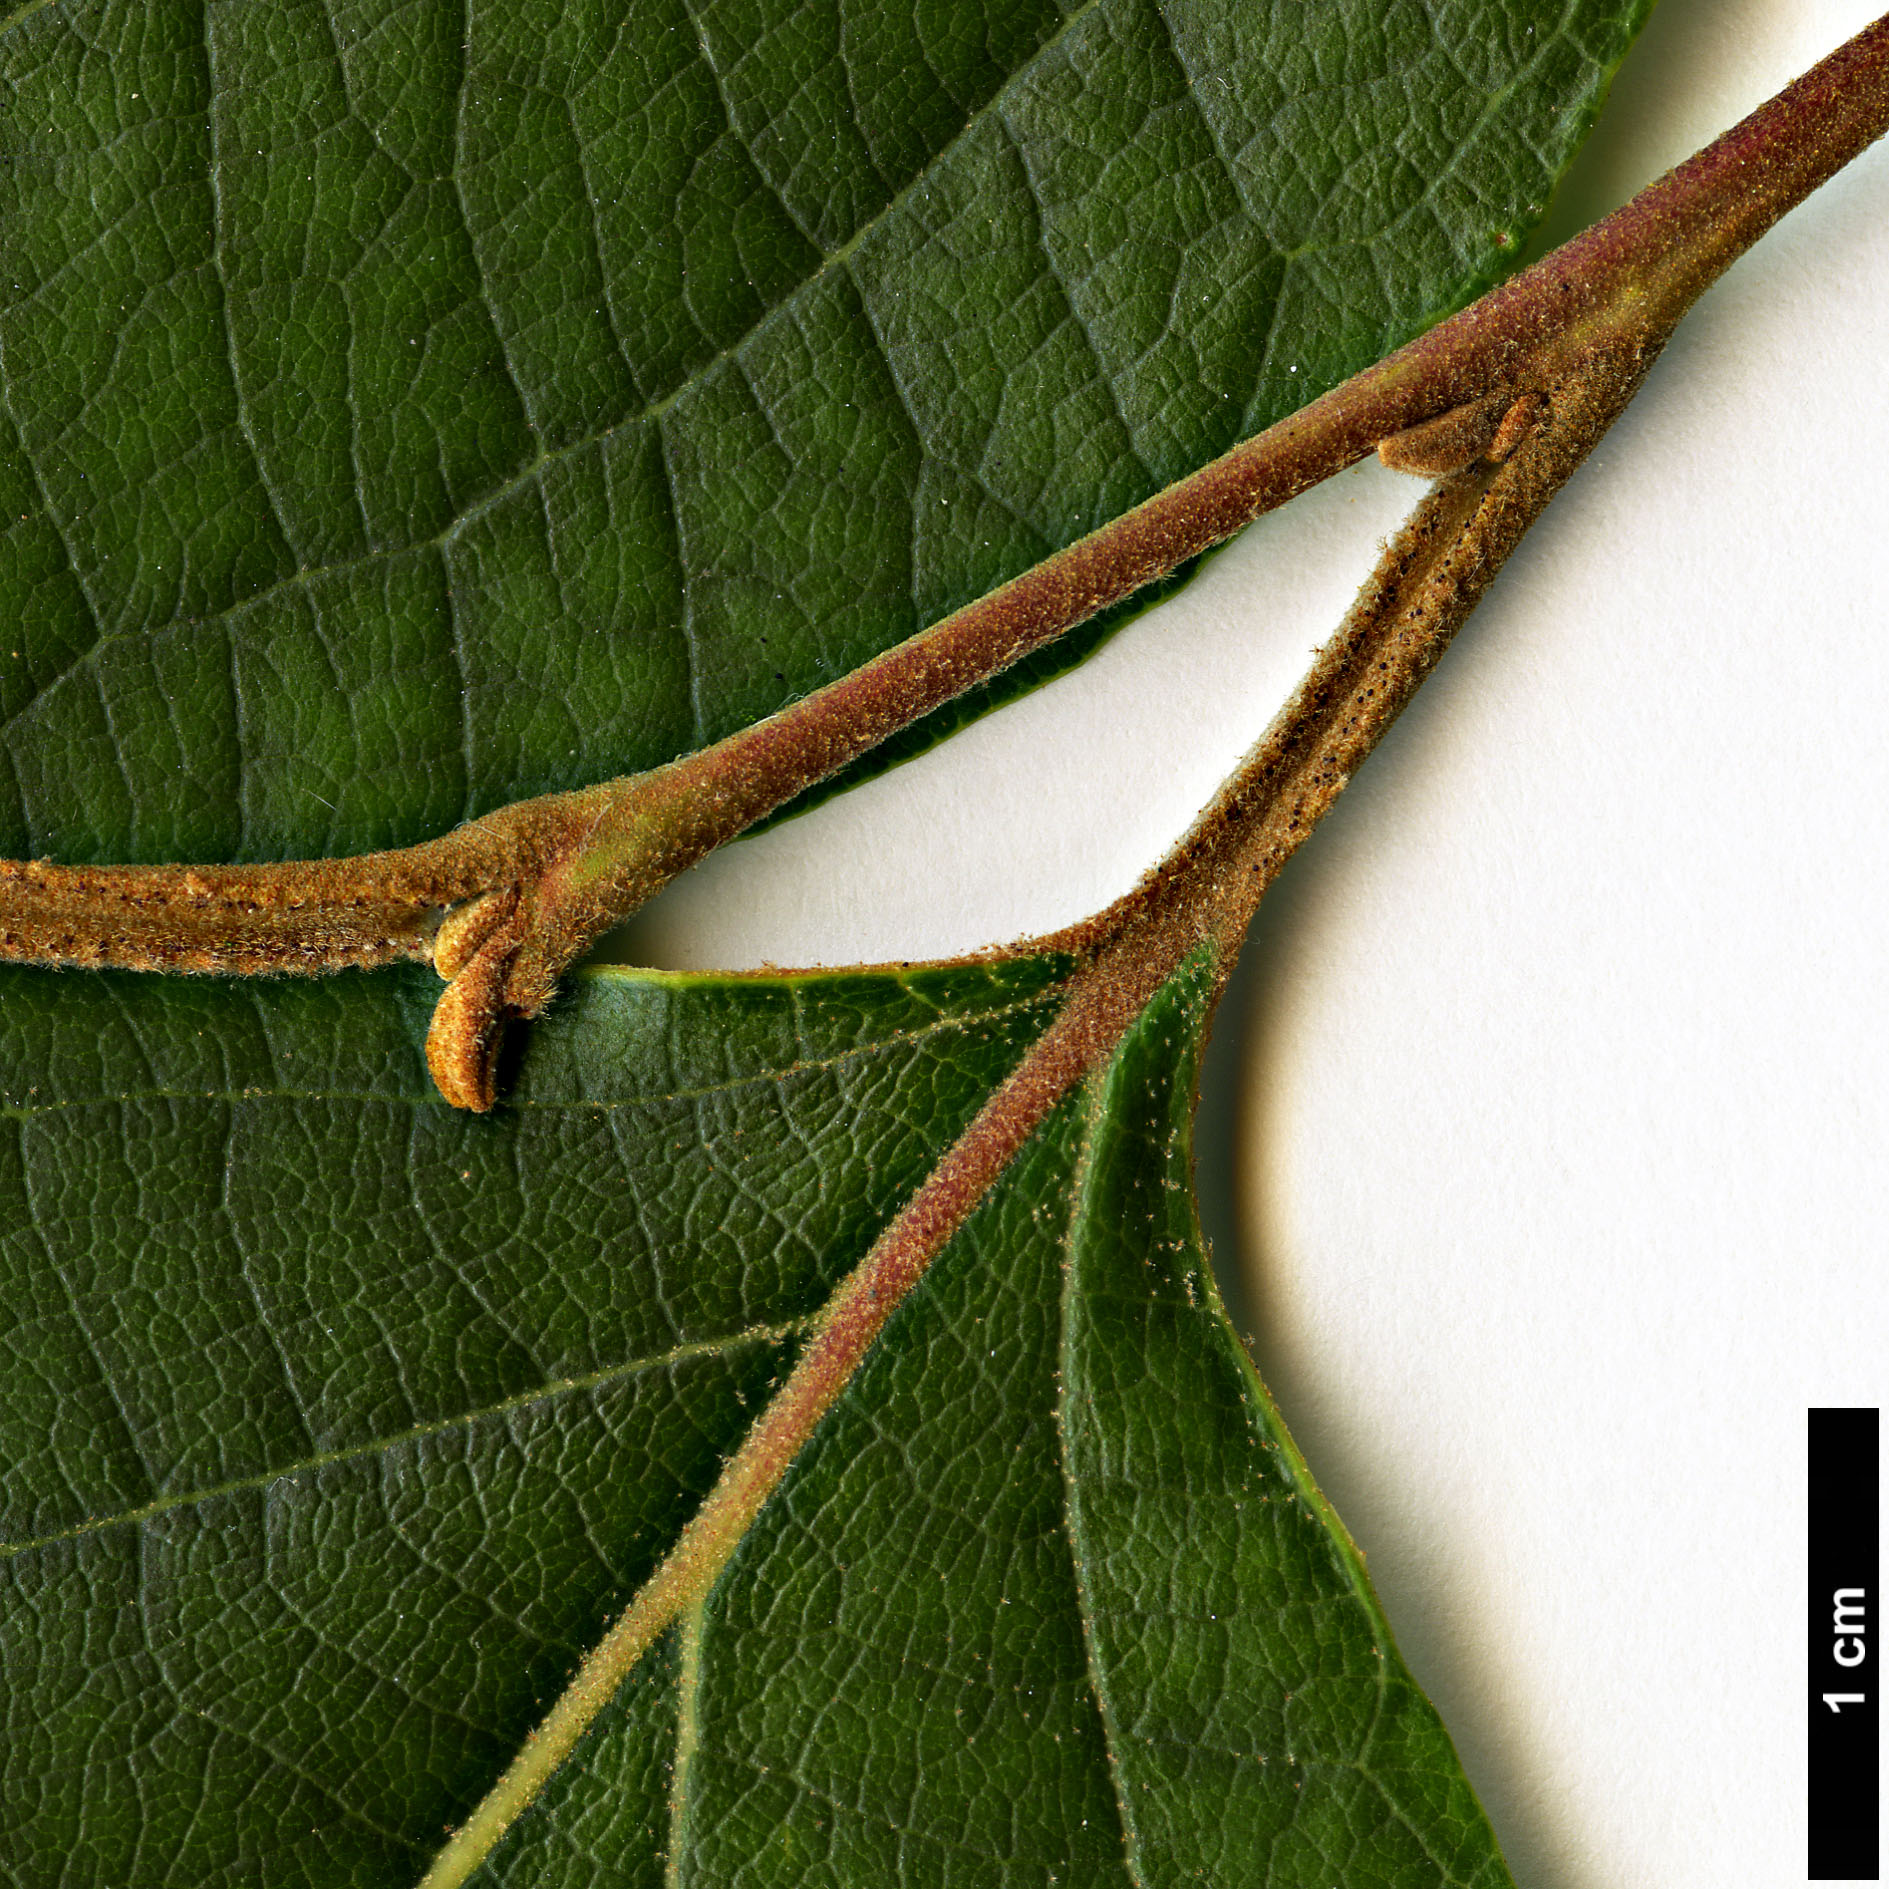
x: 403, y: 410
x: 339, y: 1419
x: 408, y: 409
x: 339, y: 1422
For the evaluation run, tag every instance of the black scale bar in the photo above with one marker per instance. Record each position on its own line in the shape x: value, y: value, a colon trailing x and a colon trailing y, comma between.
x: 1844, y: 1664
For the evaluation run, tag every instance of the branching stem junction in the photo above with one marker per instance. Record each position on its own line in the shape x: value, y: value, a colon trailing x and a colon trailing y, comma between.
x: 504, y: 904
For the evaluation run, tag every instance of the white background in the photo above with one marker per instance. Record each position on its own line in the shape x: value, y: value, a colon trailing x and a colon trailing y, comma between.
x: 1547, y: 1118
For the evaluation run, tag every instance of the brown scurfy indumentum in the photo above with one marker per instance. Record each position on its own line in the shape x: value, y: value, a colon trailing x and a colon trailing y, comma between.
x: 451, y: 902
x: 1200, y: 898
x: 503, y: 905
x: 1488, y: 429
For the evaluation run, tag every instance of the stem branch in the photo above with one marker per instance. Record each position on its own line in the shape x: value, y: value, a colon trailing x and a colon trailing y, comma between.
x: 504, y: 905
x: 1202, y: 895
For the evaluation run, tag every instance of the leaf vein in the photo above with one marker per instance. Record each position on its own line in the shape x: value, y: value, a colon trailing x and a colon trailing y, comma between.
x: 213, y: 180
x: 475, y: 509
x: 105, y: 1379
x: 734, y: 129
x: 688, y: 1739
x: 226, y: 1169
x: 1072, y: 1508
x: 462, y: 41
x: 420, y: 1432
x: 1053, y: 271
x: 429, y: 1099
x: 21, y: 14
x: 685, y: 624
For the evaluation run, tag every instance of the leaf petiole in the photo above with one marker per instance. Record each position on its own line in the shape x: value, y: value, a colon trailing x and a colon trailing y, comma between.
x: 504, y: 905
x: 1199, y: 900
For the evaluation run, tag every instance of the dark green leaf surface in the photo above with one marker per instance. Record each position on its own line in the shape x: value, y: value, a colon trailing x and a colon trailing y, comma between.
x: 336, y: 1424
x: 404, y: 409
x: 334, y: 1420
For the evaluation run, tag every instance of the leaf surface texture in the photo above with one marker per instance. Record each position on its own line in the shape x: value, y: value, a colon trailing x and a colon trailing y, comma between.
x: 338, y: 1422
x: 405, y: 409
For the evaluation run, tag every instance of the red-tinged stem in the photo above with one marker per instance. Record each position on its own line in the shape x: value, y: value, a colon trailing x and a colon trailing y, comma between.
x: 1622, y: 284
x: 539, y: 881
x: 1200, y: 898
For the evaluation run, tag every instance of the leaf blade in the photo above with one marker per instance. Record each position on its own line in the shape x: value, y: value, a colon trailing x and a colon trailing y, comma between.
x: 416, y: 1308
x: 337, y: 1641
x: 923, y: 1664
x: 1258, y: 1646
x: 320, y: 552
x: 322, y: 1457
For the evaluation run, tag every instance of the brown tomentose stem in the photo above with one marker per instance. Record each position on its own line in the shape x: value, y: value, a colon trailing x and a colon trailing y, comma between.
x: 536, y: 883
x: 1200, y: 898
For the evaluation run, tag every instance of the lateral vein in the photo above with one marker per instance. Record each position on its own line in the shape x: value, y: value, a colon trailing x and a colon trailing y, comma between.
x: 442, y: 1426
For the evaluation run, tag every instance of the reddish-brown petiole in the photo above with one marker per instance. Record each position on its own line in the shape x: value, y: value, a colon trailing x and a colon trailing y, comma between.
x: 1200, y: 898
x: 503, y: 905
